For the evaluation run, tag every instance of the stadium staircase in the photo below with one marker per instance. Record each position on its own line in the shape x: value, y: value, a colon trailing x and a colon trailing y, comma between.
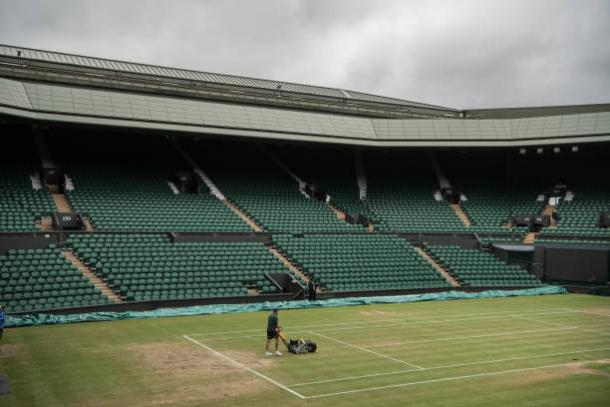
x: 301, y: 183
x: 579, y: 216
x: 63, y: 206
x: 202, y: 175
x: 441, y: 270
x: 288, y: 263
x: 461, y: 214
x: 490, y: 209
x: 243, y: 216
x: 361, y: 262
x: 530, y: 238
x: 150, y: 267
x: 61, y: 203
x: 548, y: 210
x: 272, y: 198
x: 41, y: 279
x: 45, y: 223
x: 95, y: 280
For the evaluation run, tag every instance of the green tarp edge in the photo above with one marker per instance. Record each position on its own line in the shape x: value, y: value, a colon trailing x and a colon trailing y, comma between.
x: 50, y: 319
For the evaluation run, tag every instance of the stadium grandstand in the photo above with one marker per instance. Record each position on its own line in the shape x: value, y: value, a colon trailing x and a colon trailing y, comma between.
x: 126, y: 186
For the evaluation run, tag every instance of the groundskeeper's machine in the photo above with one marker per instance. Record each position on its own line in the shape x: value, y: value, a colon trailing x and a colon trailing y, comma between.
x: 297, y: 346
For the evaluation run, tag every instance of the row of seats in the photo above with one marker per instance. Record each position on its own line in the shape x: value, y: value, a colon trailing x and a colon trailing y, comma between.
x: 490, y: 209
x: 475, y: 268
x: 579, y: 217
x: 273, y: 201
x: 362, y: 262
x: 145, y: 267
x: 21, y: 205
x: 411, y: 208
x: 38, y: 279
x: 140, y: 199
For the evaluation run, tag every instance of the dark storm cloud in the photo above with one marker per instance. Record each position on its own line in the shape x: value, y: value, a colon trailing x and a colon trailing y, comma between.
x: 456, y: 53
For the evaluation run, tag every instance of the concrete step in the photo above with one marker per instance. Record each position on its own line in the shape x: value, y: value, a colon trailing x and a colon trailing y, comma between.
x: 461, y: 214
x: 441, y: 270
x: 202, y: 175
x: 61, y: 202
x: 95, y: 280
x: 288, y: 263
x: 548, y: 210
x: 45, y: 223
x: 530, y: 238
x: 88, y: 225
x: 244, y: 216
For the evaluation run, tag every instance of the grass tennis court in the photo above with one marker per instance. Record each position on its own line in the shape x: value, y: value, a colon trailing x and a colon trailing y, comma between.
x: 549, y: 350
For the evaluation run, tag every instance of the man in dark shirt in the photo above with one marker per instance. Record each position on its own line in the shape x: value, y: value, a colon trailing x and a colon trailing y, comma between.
x: 311, y: 290
x: 2, y: 316
x: 272, y: 333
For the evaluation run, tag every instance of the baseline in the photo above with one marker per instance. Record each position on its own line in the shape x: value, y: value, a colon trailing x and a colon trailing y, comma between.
x: 446, y: 379
x: 236, y: 363
x: 340, y: 379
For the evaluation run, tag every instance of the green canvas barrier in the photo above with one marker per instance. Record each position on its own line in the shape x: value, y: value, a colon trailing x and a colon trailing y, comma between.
x: 35, y: 319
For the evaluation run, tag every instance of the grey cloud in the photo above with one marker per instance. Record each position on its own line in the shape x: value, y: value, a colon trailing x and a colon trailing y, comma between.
x: 463, y: 54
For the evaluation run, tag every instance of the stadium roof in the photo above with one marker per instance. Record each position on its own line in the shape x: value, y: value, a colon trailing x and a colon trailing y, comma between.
x: 238, y: 88
x: 50, y: 87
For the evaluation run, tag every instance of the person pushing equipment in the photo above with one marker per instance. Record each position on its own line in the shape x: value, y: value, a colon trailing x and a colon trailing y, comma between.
x: 272, y: 333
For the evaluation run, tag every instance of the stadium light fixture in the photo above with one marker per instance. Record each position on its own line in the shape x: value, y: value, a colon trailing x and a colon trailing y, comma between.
x: 522, y: 151
x: 539, y: 150
x: 574, y: 149
x: 556, y: 150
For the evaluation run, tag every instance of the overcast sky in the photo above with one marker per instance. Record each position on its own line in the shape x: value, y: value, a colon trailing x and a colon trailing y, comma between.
x: 463, y: 54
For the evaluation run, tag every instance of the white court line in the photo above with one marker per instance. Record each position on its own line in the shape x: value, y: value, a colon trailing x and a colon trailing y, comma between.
x: 423, y: 322
x: 446, y: 379
x: 366, y: 350
x: 498, y: 313
x: 589, y: 312
x: 377, y: 324
x: 292, y: 327
x: 402, y: 323
x: 541, y: 321
x: 593, y: 330
x: 448, y: 366
x: 383, y: 345
x: 236, y: 363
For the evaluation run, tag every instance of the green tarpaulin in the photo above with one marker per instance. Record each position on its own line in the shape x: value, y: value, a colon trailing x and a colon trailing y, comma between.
x: 48, y: 319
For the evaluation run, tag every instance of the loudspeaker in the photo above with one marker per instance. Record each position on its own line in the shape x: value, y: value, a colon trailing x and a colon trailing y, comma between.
x: 68, y: 221
x: 186, y: 182
x: 53, y: 175
x: 604, y: 220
